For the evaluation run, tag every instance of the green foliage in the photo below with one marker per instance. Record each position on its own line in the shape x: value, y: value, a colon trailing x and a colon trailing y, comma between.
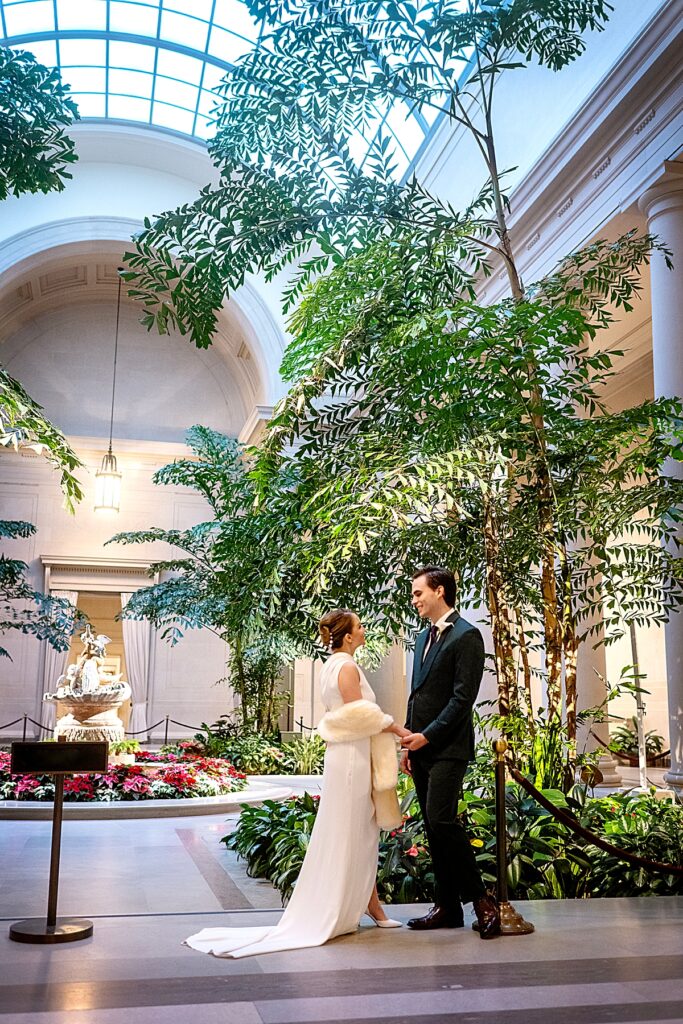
x: 23, y: 425
x: 273, y: 839
x: 254, y: 755
x: 545, y: 860
x: 261, y: 755
x: 303, y: 755
x: 27, y: 610
x: 540, y: 748
x: 625, y: 739
x: 404, y: 871
x: 413, y: 436
x: 34, y: 111
x: 422, y: 424
x: 289, y: 188
x: 223, y: 576
x: 34, y: 152
x: 643, y: 825
x: 124, y: 747
x: 34, y: 157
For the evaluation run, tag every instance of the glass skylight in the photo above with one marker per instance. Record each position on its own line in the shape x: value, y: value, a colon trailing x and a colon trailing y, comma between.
x: 158, y: 61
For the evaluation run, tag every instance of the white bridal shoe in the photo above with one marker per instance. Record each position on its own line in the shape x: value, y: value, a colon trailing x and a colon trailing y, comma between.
x: 387, y: 923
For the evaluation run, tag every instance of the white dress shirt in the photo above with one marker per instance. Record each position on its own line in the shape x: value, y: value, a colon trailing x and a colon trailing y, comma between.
x: 442, y: 625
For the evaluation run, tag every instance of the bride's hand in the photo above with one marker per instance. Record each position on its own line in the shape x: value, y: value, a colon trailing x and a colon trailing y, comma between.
x: 401, y: 732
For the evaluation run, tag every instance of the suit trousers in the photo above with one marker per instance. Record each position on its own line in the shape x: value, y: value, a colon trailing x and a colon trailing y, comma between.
x: 438, y: 785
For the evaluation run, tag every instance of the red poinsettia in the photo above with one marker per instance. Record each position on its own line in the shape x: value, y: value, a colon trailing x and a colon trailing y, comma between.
x: 136, y: 784
x: 25, y: 786
x: 80, y: 786
x: 178, y: 777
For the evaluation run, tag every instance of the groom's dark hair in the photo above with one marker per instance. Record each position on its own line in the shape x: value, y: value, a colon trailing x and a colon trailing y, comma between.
x: 437, y: 576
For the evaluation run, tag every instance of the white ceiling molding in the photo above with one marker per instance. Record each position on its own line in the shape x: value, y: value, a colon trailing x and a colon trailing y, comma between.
x: 255, y: 424
x: 608, y: 155
x: 93, y: 573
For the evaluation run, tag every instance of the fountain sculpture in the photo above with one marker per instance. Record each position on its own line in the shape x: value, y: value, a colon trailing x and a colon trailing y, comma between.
x: 90, y: 695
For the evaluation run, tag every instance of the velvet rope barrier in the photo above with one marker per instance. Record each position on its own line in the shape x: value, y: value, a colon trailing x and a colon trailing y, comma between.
x: 570, y: 822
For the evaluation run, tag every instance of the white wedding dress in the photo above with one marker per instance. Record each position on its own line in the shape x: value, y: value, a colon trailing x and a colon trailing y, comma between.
x: 340, y: 866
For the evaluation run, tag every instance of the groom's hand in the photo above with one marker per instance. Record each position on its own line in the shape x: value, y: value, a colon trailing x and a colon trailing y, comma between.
x: 414, y: 742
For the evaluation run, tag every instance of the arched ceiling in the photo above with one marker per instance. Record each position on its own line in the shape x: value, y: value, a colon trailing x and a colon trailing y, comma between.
x: 56, y: 284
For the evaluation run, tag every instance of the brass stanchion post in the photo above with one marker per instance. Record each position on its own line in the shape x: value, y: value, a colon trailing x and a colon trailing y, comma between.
x: 511, y: 922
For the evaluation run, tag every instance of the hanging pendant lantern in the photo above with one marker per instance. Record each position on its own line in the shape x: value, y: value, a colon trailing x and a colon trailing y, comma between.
x: 108, y: 485
x: 108, y: 478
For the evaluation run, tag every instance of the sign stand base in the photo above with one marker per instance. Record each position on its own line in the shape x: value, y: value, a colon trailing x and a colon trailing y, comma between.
x: 36, y: 929
x: 58, y: 759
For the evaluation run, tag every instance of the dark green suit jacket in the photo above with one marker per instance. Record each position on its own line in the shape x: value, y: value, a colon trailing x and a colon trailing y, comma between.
x: 444, y: 690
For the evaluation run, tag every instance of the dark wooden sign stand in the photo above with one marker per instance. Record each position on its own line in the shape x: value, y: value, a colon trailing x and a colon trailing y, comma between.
x: 59, y: 759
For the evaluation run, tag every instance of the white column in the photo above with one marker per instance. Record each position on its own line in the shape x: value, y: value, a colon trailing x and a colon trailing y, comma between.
x: 663, y: 206
x: 592, y: 692
x: 388, y: 681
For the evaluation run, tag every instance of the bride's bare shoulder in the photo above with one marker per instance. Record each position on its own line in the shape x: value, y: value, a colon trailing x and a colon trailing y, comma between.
x: 348, y: 681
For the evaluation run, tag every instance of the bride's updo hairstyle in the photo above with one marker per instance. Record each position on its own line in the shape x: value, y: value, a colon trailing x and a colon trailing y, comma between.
x: 334, y: 626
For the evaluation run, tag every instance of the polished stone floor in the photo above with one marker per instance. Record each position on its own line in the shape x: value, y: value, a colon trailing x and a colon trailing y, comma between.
x: 149, y: 884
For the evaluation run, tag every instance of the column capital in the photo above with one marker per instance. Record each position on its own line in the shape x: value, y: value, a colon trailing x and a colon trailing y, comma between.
x: 255, y: 424
x: 666, y: 193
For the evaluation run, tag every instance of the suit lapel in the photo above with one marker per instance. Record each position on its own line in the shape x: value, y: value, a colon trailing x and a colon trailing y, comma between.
x: 443, y: 641
x: 417, y: 657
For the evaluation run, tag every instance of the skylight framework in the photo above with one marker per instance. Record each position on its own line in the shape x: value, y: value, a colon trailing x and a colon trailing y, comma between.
x: 158, y: 62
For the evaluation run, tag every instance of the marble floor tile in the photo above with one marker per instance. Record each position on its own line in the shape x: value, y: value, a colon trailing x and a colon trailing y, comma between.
x: 149, y: 884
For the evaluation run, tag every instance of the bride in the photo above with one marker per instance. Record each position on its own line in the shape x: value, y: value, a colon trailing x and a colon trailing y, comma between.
x: 336, y: 884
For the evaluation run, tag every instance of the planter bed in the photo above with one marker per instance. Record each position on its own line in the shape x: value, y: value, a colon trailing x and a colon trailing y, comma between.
x: 228, y: 803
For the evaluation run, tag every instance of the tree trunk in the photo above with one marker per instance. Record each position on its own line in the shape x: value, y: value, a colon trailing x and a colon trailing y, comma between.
x: 526, y: 670
x: 551, y: 621
x: 241, y: 687
x: 552, y: 627
x: 570, y: 646
x: 516, y: 286
x: 499, y: 611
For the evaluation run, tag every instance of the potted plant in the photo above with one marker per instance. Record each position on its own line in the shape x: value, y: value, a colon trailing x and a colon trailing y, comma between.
x: 123, y: 751
x: 625, y: 743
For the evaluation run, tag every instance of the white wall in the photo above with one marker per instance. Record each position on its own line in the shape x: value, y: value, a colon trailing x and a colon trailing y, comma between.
x: 531, y: 107
x: 164, y: 385
x: 183, y: 677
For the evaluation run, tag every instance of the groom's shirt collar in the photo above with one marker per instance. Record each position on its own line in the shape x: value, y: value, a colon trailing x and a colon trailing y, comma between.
x: 444, y: 622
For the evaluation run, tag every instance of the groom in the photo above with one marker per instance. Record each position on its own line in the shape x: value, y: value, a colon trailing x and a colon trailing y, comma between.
x: 447, y: 671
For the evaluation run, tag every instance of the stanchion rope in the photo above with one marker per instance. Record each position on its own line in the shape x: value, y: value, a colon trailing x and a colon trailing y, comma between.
x: 138, y: 732
x: 655, y: 757
x: 47, y: 728
x: 195, y: 728
x: 568, y: 820
x: 149, y: 728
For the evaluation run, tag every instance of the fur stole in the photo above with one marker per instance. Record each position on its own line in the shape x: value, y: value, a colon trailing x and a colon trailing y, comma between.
x: 360, y: 719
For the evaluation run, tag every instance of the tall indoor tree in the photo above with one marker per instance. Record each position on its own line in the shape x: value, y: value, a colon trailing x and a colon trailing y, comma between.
x: 290, y: 191
x: 222, y: 577
x: 35, y: 156
x: 410, y: 438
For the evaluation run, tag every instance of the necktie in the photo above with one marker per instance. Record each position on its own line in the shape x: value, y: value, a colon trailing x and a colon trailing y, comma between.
x: 433, y: 637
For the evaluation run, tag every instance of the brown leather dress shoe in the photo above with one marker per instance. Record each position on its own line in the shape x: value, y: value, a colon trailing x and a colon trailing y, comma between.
x: 438, y: 917
x: 488, y: 917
